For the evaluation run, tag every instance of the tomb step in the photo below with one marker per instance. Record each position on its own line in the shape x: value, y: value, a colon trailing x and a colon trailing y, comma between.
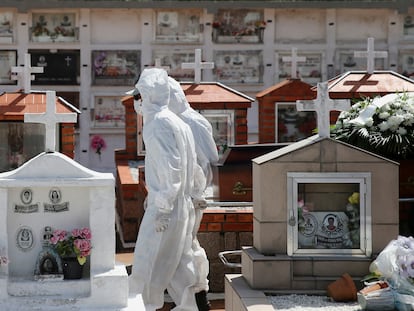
x: 28, y: 288
x: 64, y: 304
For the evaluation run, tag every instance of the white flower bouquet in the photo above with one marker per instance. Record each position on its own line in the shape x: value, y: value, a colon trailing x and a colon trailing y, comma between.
x: 383, y: 125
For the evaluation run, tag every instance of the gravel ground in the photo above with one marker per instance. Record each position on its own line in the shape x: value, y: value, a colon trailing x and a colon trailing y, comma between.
x: 310, y: 303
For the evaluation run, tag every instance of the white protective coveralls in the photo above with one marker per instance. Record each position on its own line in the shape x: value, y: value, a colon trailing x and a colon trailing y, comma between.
x: 163, y: 255
x: 207, y: 155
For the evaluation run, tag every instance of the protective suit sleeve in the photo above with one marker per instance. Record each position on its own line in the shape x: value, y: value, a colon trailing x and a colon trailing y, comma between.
x: 199, y: 183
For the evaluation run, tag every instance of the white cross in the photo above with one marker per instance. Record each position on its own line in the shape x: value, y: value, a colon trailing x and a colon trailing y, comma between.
x: 159, y: 65
x: 50, y: 118
x: 294, y: 59
x: 197, y: 66
x: 25, y: 73
x: 227, y: 18
x: 370, y: 54
x: 323, y: 105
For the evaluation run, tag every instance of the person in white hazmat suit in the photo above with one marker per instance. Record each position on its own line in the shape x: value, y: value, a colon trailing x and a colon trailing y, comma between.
x: 163, y: 257
x: 207, y: 156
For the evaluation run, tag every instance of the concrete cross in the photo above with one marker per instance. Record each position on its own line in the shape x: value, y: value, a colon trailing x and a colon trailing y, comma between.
x: 323, y: 105
x: 294, y: 59
x: 50, y: 118
x: 25, y: 73
x: 198, y: 65
x: 159, y: 65
x: 371, y: 55
x: 227, y: 18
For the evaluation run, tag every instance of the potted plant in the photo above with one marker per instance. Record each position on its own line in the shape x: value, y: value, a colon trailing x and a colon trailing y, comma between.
x: 73, y: 248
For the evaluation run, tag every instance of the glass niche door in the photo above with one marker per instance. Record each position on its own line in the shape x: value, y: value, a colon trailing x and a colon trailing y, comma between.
x: 329, y: 214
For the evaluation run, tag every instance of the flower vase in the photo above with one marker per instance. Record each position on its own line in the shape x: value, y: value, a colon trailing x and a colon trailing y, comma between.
x: 260, y: 34
x: 215, y: 35
x: 72, y: 270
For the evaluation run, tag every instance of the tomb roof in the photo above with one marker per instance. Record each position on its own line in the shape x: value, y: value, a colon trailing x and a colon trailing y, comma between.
x: 244, y: 153
x: 41, y: 170
x: 355, y: 84
x: 215, y: 95
x: 13, y: 105
x: 304, y: 143
x: 289, y: 90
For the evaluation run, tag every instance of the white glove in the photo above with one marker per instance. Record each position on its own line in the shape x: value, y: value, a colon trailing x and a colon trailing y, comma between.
x: 161, y: 221
x: 200, y: 203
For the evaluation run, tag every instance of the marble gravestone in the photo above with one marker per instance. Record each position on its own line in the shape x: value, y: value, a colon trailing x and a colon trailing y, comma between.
x: 52, y: 191
x: 28, y: 205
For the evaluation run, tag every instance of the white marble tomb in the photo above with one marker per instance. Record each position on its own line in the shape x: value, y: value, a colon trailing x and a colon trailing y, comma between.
x: 86, y: 199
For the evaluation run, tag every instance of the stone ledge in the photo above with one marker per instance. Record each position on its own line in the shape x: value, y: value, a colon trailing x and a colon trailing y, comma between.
x: 240, y: 297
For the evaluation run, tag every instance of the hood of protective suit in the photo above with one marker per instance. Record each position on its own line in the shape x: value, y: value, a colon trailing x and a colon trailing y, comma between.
x: 154, y: 89
x: 178, y: 101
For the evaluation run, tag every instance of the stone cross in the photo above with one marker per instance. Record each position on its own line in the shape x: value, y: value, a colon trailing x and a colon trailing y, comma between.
x: 198, y: 65
x: 323, y: 105
x: 25, y: 73
x: 294, y: 59
x: 50, y: 118
x: 371, y: 54
x: 159, y: 65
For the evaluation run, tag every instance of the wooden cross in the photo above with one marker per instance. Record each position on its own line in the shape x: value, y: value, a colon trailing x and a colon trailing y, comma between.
x: 25, y: 73
x: 294, y: 59
x: 198, y: 65
x: 323, y: 105
x: 371, y: 54
x: 50, y: 118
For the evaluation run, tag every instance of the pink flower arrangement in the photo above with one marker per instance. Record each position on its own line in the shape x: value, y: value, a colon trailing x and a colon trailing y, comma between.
x: 3, y: 260
x: 98, y: 143
x: 77, y: 243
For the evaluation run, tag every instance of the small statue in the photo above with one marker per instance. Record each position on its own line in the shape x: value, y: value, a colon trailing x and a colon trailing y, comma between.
x: 48, y: 264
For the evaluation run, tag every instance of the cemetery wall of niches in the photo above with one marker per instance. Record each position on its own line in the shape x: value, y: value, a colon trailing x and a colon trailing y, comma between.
x: 90, y: 47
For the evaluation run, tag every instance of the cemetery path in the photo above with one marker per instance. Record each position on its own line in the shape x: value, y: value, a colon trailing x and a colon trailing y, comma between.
x: 216, y: 300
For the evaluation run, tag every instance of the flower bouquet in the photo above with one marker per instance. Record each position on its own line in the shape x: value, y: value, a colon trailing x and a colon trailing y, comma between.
x: 4, y: 261
x: 76, y: 243
x: 383, y: 125
x: 395, y: 265
x: 97, y: 144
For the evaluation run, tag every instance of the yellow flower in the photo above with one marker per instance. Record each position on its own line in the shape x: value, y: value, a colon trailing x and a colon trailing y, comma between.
x: 354, y: 198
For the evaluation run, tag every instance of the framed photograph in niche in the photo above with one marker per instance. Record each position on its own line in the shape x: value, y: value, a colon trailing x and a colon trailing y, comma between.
x: 172, y: 60
x: 406, y: 66
x: 347, y: 62
x: 238, y: 26
x: 292, y: 125
x: 182, y: 26
x: 115, y: 67
x: 223, y: 127
x: 108, y: 111
x: 59, y: 68
x: 20, y: 142
x: 309, y: 71
x: 408, y: 26
x: 238, y: 66
x: 328, y: 213
x: 8, y: 59
x: 6, y: 26
x: 54, y: 27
